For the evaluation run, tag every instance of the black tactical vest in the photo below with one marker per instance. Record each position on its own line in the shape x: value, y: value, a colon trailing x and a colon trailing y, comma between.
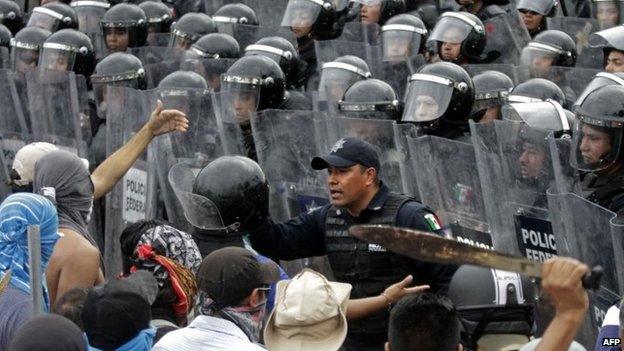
x: 369, y: 268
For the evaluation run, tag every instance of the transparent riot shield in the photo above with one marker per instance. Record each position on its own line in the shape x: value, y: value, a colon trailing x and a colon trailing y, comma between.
x: 5, y: 58
x: 210, y: 69
x: 134, y: 197
x: 506, y: 35
x: 89, y: 15
x: 235, y: 141
x: 448, y: 182
x: 158, y: 39
x: 379, y: 133
x: 571, y: 80
x: 508, y: 69
x: 247, y: 34
x: 368, y: 33
x: 579, y: 29
x: 59, y: 109
x: 329, y: 50
x: 199, y: 145
x: 589, y: 233
x: 402, y: 133
x: 516, y: 170
x: 13, y: 130
x: 397, y: 73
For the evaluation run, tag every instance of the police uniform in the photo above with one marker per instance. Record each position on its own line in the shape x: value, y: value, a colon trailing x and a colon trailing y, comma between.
x: 369, y: 268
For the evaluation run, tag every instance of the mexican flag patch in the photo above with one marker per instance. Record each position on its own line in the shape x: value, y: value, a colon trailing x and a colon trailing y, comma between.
x: 433, y: 222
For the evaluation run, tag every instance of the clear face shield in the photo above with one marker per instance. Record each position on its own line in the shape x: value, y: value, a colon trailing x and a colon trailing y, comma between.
x: 45, y: 18
x: 400, y: 41
x: 185, y: 100
x: 275, y: 54
x: 539, y: 58
x: 89, y: 14
x: 57, y: 57
x: 608, y: 13
x: 427, y: 98
x: 103, y: 96
x: 488, y: 99
x: 601, y: 79
x: 182, y: 40
x: 243, y: 95
x: 300, y: 16
x: 336, y: 77
x: 24, y: 56
x: 543, y: 115
x: 596, y: 143
x: 452, y: 28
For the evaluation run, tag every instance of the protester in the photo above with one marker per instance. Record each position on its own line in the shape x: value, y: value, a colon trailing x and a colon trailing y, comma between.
x: 17, y: 213
x: 49, y: 333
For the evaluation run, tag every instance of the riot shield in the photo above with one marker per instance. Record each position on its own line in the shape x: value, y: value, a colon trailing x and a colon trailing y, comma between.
x: 234, y: 141
x: 247, y: 34
x: 379, y: 133
x: 571, y: 80
x: 587, y: 232
x: 134, y: 197
x: 329, y: 50
x: 199, y: 145
x: 210, y: 69
x: 579, y: 29
x: 448, y: 182
x: 13, y: 130
x: 507, y: 36
x: 89, y: 15
x: 508, y: 69
x: 402, y: 133
x: 366, y: 33
x: 5, y: 58
x: 158, y: 39
x: 397, y: 73
x: 515, y: 169
x: 59, y: 109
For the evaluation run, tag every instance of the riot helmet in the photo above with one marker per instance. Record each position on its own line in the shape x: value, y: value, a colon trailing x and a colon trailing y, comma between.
x: 68, y: 50
x: 491, y: 92
x: 338, y: 75
x: 403, y: 36
x: 124, y: 26
x: 183, y: 90
x: 318, y: 19
x: 118, y: 69
x: 549, y: 48
x: 608, y: 12
x: 188, y: 29
x: 546, y: 115
x: 26, y: 48
x: 460, y: 37
x: 159, y: 17
x: 253, y: 83
x: 600, y: 79
x: 53, y: 16
x: 429, y: 14
x: 371, y: 98
x: 183, y: 80
x: 598, y: 130
x: 534, y: 13
x: 214, y: 46
x: 379, y: 11
x: 441, y: 92
x: 11, y: 16
x: 612, y: 43
x: 503, y: 306
x: 235, y: 14
x: 535, y: 90
x: 282, y: 51
x: 239, y: 190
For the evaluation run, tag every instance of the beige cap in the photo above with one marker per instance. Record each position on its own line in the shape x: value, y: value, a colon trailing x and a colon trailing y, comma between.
x: 309, y: 314
x: 25, y: 159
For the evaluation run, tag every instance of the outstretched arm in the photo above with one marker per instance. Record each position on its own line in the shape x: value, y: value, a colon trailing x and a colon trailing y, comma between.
x: 117, y: 164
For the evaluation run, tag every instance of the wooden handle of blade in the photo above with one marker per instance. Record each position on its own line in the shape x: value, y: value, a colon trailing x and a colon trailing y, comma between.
x: 591, y: 280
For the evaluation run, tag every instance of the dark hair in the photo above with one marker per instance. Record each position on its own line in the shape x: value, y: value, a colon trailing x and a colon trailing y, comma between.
x: 424, y: 322
x: 70, y: 305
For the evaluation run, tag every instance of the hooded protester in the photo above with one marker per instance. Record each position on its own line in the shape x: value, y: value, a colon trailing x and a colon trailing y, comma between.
x: 49, y: 333
x: 23, y: 168
x: 17, y: 213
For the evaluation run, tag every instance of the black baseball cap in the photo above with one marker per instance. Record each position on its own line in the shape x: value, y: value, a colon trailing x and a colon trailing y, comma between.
x: 230, y: 274
x: 348, y: 152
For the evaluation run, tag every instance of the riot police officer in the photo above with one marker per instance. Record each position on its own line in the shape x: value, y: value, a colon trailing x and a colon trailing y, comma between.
x: 598, y: 147
x: 124, y: 26
x: 26, y: 46
x: 379, y: 11
x: 357, y: 197
x: 236, y: 13
x: 492, y: 90
x: 600, y: 79
x: 188, y: 29
x: 338, y: 75
x: 491, y: 320
x: 159, y: 20
x: 548, y: 48
x: 68, y: 50
x: 371, y: 98
x: 458, y: 37
x: 11, y: 16
x: 483, y: 9
x: 537, y: 89
x: 403, y: 36
x: 284, y: 53
x: 439, y: 98
x: 215, y: 46
x: 610, y: 40
x: 534, y: 13
x: 53, y: 16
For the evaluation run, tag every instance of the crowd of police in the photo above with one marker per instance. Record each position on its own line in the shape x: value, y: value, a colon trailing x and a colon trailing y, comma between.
x: 498, y: 123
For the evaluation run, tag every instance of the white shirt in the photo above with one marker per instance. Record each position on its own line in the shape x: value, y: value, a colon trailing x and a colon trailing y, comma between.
x: 207, y: 334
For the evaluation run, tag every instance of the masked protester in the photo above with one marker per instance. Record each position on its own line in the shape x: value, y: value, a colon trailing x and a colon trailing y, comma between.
x: 492, y: 89
x: 612, y: 44
x: 534, y: 13
x: 458, y: 37
x: 598, y: 141
x: 234, y: 286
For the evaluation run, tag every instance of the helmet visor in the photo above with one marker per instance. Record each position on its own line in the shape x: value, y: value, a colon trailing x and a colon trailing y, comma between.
x: 450, y: 30
x: 400, y: 44
x: 487, y: 99
x: 595, y: 147
x: 538, y: 58
x: 56, y: 58
x: 301, y: 13
x: 89, y: 18
x: 271, y: 52
x: 243, y: 95
x: 335, y: 81
x: 104, y: 95
x: 23, y: 59
x: 612, y: 37
x: 44, y: 18
x: 427, y: 98
x: 544, y: 116
x: 600, y: 80
x: 181, y: 40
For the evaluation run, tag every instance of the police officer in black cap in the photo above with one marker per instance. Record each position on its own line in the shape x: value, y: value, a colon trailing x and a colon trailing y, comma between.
x: 357, y: 197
